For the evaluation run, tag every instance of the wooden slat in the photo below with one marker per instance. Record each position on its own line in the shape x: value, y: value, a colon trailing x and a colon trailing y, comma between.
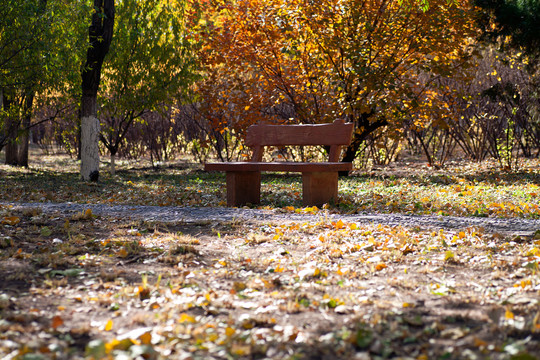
x: 279, y: 166
x: 337, y: 133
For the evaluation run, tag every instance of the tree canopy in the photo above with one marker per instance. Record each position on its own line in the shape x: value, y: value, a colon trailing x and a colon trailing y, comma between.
x: 149, y: 65
x: 517, y: 19
x: 369, y: 62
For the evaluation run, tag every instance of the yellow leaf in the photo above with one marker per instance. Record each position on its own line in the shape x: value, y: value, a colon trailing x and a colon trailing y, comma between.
x: 146, y: 338
x: 534, y: 252
x: 353, y: 226
x: 108, y: 325
x: 449, y: 256
x: 461, y: 235
x: 186, y: 318
x: 380, y: 266
x: 11, y: 220
x: 339, y: 224
x: 122, y: 253
x: 508, y: 314
x: 111, y: 345
x: 116, y: 344
x: 229, y: 331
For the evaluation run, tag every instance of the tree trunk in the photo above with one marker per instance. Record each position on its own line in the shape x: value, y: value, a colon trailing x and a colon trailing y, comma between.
x: 113, y: 164
x: 89, y: 139
x: 10, y: 127
x: 22, y: 154
x: 100, y: 35
x: 11, y: 146
x: 2, y: 136
x: 360, y: 136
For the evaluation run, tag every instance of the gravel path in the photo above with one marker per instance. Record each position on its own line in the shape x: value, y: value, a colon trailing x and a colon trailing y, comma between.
x: 513, y: 226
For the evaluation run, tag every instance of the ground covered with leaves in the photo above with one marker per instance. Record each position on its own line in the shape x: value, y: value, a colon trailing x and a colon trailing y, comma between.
x: 87, y: 286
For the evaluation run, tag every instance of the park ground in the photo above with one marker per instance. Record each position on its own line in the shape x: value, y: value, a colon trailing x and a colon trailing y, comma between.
x: 81, y: 285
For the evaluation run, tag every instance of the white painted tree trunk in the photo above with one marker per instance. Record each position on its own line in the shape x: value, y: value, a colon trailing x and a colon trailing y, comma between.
x: 90, y: 148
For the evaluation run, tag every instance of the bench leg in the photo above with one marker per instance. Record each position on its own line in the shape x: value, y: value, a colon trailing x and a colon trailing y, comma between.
x: 319, y: 187
x: 243, y: 187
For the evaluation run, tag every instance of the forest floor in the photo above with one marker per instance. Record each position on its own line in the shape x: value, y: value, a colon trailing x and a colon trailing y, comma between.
x: 300, y: 283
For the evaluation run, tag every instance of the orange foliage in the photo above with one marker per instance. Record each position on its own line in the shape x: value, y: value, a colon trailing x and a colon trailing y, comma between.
x: 372, y: 62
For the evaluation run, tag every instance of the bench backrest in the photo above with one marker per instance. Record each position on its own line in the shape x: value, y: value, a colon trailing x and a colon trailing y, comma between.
x: 335, y: 135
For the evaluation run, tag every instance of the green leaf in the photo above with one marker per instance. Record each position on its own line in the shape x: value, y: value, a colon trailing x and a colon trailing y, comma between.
x: 67, y: 272
x: 45, y: 231
x: 96, y: 349
x: 364, y: 338
x: 523, y: 356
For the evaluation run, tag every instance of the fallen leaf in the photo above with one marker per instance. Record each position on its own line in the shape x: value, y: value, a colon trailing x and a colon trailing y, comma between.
x: 146, y: 338
x: 449, y: 256
x: 11, y: 220
x: 45, y: 231
x: 186, y: 318
x: 229, y: 331
x: 56, y: 322
x: 339, y: 224
x: 508, y: 314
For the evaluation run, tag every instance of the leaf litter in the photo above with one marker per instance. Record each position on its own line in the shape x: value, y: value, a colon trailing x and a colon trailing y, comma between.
x: 92, y: 286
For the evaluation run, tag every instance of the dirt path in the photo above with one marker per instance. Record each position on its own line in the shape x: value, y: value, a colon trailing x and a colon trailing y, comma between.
x: 166, y: 214
x: 222, y: 283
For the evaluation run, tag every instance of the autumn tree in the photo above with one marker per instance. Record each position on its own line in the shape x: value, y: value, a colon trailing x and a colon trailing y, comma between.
x: 149, y: 64
x: 38, y: 45
x: 370, y: 62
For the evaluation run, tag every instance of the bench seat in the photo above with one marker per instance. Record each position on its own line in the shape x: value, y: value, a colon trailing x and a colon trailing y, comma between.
x: 280, y: 166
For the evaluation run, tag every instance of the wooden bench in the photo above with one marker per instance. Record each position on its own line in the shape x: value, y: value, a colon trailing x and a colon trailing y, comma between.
x: 320, y: 179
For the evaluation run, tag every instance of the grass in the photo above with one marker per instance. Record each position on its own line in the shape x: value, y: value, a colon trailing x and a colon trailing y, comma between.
x: 87, y: 287
x: 462, y: 189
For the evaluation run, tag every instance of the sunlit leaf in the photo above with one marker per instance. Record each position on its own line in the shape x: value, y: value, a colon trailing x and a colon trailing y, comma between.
x: 449, y: 256
x: 186, y: 318
x: 509, y: 314
x: 229, y: 331
x: 11, y: 220
x: 146, y: 338
x: 339, y: 224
